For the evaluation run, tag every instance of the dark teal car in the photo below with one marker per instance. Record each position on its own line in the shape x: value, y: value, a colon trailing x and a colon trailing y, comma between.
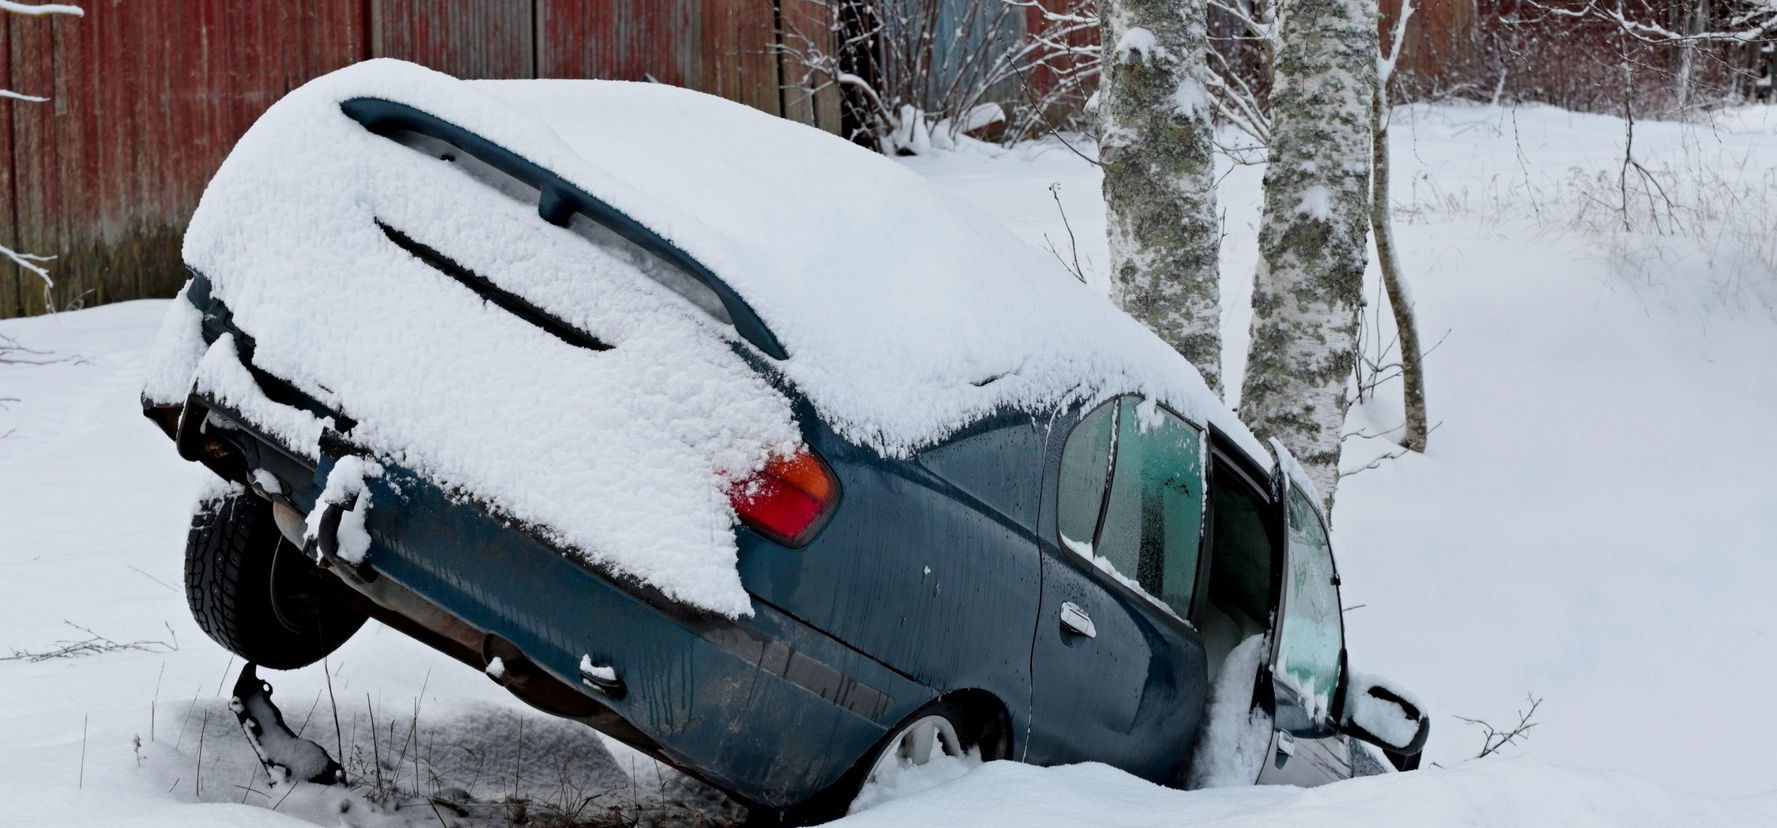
x: 1047, y: 584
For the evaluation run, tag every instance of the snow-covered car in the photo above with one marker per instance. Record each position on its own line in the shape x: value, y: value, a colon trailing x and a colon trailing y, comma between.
x: 736, y: 442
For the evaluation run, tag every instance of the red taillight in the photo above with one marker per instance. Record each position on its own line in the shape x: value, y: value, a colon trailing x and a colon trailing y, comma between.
x: 789, y: 499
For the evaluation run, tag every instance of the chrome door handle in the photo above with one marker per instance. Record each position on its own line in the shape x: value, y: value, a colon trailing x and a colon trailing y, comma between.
x: 1076, y: 621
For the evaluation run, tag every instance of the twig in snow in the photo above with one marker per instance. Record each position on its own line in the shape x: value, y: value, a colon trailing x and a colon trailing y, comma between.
x: 1072, y: 245
x: 376, y: 754
x: 339, y: 742
x: 138, y: 571
x: 197, y: 782
x: 1495, y: 738
x: 93, y: 644
x: 12, y: 353
x: 1392, y: 455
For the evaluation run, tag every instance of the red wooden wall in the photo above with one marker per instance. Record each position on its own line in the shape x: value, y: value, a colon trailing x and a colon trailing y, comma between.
x: 149, y: 95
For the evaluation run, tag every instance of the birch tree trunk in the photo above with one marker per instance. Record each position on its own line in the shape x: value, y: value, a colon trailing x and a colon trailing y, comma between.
x: 1400, y: 299
x: 1156, y: 146
x: 1313, y: 242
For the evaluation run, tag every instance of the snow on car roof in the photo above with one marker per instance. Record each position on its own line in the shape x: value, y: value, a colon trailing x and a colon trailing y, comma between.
x: 905, y: 314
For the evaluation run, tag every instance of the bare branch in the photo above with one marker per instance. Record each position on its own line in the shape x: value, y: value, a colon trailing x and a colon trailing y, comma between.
x: 93, y: 644
x: 1496, y: 738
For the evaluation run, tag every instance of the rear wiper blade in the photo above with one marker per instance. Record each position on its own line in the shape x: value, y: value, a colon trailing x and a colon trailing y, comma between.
x: 485, y: 288
x: 559, y: 201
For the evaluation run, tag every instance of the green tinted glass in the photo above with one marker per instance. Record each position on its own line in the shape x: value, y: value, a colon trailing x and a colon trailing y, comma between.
x: 1312, y: 637
x: 1154, y: 517
x: 1085, y: 463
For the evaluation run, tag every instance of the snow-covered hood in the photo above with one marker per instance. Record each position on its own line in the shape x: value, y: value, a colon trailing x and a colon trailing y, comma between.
x: 905, y: 313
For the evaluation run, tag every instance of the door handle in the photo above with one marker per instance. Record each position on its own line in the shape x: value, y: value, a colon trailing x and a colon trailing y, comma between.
x: 1075, y: 620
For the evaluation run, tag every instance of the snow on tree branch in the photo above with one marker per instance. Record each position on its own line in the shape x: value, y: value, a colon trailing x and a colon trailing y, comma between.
x: 1756, y: 21
x: 41, y: 9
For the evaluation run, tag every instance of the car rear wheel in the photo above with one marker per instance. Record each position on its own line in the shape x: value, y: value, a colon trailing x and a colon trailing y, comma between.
x: 256, y: 593
x: 935, y: 745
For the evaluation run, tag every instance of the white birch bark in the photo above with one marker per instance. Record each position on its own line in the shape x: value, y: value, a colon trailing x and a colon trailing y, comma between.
x: 1157, y: 150
x: 1312, y: 241
x: 1388, y: 262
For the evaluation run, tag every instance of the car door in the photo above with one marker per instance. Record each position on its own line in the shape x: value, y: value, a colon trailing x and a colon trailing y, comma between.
x: 1118, y: 674
x: 1308, y: 652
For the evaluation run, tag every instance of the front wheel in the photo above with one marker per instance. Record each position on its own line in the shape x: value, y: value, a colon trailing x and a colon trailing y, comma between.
x: 256, y: 593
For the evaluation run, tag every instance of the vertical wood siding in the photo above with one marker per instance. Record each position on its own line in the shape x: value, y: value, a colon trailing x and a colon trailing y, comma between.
x: 466, y: 38
x: 149, y: 96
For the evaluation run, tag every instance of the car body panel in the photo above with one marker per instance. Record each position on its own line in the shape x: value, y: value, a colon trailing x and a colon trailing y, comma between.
x: 733, y: 700
x: 938, y: 584
x: 1133, y: 694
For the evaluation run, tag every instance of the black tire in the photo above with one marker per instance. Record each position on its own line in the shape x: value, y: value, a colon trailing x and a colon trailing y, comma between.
x: 256, y: 593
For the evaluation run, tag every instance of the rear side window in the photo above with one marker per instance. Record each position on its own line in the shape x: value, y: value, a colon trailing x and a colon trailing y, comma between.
x: 1085, y: 467
x: 1153, y: 519
x: 1147, y: 522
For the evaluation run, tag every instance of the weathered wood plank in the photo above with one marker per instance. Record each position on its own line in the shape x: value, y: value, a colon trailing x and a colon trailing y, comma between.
x: 732, y: 49
x: 466, y: 38
x: 641, y: 40
x: 13, y: 279
x: 812, y: 20
x: 149, y: 97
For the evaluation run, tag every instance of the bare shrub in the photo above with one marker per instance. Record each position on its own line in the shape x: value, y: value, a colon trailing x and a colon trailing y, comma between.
x: 1496, y: 738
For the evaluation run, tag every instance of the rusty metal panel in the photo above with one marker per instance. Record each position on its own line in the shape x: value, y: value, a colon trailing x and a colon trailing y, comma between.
x: 634, y: 40
x: 732, y: 55
x: 465, y: 38
x: 149, y: 96
x: 718, y: 46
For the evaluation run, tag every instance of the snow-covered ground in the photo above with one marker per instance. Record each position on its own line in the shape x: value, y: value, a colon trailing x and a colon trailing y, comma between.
x: 1593, y: 525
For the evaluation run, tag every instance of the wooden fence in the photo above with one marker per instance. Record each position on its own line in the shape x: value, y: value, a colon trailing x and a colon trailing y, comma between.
x: 148, y: 96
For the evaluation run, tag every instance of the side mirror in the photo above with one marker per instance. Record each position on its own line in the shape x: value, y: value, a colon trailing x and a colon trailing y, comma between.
x: 1386, y: 717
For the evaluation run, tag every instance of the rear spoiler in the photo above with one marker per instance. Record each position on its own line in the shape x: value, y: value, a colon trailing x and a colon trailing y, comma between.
x: 559, y: 200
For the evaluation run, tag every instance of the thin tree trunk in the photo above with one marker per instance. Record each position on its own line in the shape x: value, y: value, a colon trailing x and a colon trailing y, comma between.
x: 1313, y: 241
x: 1159, y: 174
x: 1400, y: 299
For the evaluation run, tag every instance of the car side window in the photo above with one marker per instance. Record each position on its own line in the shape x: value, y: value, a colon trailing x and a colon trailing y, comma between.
x: 1153, y: 518
x: 1131, y: 492
x: 1085, y: 466
x: 1312, y: 633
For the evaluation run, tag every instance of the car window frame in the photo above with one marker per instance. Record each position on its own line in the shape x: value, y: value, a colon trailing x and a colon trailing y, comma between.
x: 1326, y: 725
x: 1160, y: 609
x: 1223, y: 455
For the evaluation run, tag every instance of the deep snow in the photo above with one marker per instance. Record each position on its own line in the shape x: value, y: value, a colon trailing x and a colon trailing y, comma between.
x: 1592, y: 524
